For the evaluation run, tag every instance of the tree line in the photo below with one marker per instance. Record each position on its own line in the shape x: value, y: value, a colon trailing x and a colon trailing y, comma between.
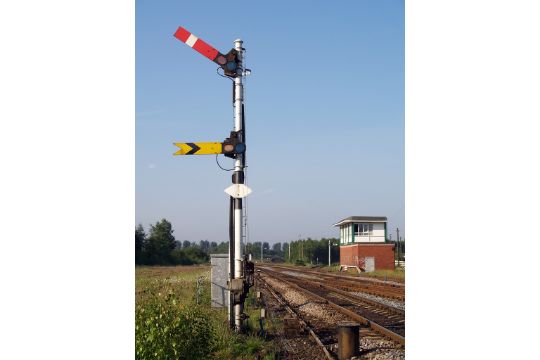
x: 312, y: 251
x: 303, y: 251
x: 399, y: 250
x: 160, y: 247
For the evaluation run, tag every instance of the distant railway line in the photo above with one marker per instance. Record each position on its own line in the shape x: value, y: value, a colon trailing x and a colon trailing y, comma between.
x: 322, y: 306
x: 385, y: 289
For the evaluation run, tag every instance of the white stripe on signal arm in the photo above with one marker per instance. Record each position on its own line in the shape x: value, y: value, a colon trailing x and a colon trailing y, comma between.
x: 191, y: 40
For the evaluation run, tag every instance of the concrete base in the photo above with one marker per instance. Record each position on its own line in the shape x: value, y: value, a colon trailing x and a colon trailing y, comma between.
x: 347, y: 267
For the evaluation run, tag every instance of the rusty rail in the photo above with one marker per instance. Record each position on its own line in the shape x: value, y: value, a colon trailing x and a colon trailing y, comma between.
x: 373, y: 325
x: 350, y: 277
x: 297, y: 317
x: 349, y: 296
x: 390, y: 290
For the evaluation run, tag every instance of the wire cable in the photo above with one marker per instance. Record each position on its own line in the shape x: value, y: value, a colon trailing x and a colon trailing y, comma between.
x: 222, y: 168
x: 225, y: 76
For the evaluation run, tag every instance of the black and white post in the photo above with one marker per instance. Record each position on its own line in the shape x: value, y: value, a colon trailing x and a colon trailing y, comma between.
x: 237, y: 191
x: 233, y: 67
x: 238, y: 178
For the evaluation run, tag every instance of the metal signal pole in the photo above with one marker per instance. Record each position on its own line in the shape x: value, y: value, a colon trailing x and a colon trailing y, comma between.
x: 233, y: 147
x: 329, y: 254
x: 238, y: 177
x: 397, y: 230
x: 290, y: 252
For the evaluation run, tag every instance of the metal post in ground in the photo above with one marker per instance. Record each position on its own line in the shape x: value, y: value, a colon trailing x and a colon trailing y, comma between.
x: 400, y: 249
x: 348, y: 340
x: 329, y: 254
x: 289, y: 252
x: 397, y: 230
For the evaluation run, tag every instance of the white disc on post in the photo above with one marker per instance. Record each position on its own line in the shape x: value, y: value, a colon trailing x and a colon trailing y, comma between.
x: 238, y: 191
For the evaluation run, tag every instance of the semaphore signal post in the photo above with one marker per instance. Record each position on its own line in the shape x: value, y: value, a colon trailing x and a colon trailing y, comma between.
x: 240, y: 269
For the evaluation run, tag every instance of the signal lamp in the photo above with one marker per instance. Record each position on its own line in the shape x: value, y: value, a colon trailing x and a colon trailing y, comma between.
x: 231, y: 64
x: 232, y: 146
x: 240, y: 148
x: 228, y: 148
x: 221, y: 60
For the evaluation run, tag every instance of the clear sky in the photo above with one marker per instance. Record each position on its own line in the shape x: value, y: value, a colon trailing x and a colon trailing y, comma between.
x: 324, y: 115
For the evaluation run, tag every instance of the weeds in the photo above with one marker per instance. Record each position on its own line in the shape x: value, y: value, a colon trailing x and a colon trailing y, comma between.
x: 173, y: 319
x: 167, y: 327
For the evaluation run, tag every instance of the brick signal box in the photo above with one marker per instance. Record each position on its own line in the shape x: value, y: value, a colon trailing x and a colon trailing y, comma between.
x: 363, y: 243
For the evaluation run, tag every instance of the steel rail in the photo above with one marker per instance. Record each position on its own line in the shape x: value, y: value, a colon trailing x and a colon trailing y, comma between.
x: 391, y: 293
x: 300, y: 320
x: 373, y: 325
x: 360, y: 278
x: 358, y: 300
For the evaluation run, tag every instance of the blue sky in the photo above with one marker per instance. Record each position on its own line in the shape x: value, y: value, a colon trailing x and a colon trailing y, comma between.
x: 324, y: 115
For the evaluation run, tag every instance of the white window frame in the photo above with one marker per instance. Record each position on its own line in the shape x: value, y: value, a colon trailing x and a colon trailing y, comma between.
x: 364, y: 229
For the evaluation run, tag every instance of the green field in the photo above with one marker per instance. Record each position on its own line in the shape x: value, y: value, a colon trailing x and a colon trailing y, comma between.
x: 173, y: 318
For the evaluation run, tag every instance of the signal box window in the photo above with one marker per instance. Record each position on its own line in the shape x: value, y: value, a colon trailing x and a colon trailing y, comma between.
x: 363, y: 229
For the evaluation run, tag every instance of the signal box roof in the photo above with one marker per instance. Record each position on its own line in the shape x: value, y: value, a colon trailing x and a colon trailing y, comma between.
x: 356, y: 219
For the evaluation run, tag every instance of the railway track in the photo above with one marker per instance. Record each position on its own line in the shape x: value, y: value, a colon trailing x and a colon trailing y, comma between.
x: 340, y: 275
x: 390, y: 290
x: 299, y: 318
x: 385, y: 320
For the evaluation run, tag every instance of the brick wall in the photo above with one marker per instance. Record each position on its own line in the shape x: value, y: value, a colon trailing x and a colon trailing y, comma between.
x: 355, y: 254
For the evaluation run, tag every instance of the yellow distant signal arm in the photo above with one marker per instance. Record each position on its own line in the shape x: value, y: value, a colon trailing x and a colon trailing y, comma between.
x: 230, y: 147
x: 199, y: 148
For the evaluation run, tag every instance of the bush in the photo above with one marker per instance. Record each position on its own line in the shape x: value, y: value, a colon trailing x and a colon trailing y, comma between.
x: 189, y: 256
x: 165, y: 329
x: 173, y: 320
x: 196, y: 255
x: 300, y: 262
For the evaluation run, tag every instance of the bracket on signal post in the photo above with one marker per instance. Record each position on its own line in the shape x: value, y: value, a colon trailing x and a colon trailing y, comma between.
x: 236, y: 287
x: 232, y: 145
x: 239, y: 287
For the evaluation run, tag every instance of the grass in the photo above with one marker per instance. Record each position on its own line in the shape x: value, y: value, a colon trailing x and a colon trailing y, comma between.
x: 174, y: 320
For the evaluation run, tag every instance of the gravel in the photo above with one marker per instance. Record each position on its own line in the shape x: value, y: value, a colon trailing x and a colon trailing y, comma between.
x: 379, y: 349
x: 297, y: 274
x: 373, y: 347
x: 300, y: 347
x: 306, y: 306
x: 393, y: 303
